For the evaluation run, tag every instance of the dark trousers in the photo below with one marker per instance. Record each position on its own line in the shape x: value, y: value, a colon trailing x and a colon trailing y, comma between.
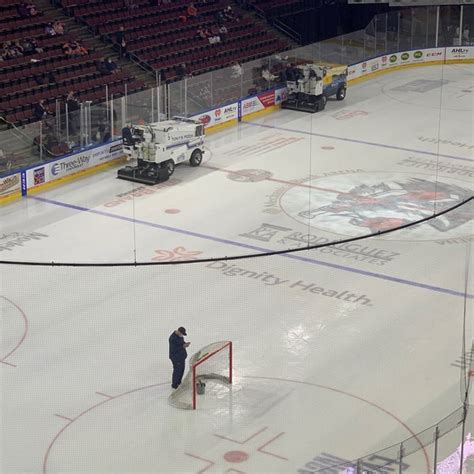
x: 178, y: 371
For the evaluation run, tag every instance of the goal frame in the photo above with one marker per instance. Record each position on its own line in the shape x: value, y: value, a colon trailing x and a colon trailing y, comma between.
x: 226, y: 346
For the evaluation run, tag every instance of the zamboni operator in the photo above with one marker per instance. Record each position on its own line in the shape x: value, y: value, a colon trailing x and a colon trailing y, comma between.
x: 178, y: 355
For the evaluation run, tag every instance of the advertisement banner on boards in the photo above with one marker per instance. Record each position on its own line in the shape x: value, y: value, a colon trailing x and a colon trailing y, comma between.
x: 397, y: 59
x: 257, y: 103
x: 10, y: 185
x: 72, y: 164
x: 218, y: 115
x: 459, y: 53
x: 281, y: 94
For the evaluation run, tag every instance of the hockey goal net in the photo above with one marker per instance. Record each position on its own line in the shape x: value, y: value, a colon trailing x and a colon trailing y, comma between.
x: 212, y: 362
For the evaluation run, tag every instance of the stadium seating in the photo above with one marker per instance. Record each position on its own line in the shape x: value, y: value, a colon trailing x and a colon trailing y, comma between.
x: 48, y: 73
x: 160, y: 40
x: 159, y: 37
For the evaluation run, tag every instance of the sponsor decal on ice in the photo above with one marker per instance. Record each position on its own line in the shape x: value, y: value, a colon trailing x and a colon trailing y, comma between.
x: 349, y: 114
x: 270, y: 279
x: 292, y: 239
x: 141, y: 191
x: 375, y: 463
x: 18, y: 239
x: 178, y: 254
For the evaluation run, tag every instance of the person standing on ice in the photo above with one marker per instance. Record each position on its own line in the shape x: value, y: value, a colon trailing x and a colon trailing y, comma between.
x: 178, y: 355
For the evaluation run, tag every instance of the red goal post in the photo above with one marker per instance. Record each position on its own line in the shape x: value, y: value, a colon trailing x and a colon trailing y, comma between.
x: 212, y: 362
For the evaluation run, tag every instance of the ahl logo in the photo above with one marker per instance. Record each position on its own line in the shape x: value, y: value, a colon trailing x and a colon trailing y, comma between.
x: 393, y: 58
x: 405, y: 56
x: 217, y: 113
x: 418, y: 54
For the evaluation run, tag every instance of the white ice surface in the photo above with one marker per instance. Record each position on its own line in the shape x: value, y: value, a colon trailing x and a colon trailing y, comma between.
x: 84, y: 372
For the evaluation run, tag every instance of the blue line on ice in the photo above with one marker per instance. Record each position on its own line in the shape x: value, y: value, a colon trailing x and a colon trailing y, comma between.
x: 360, y: 142
x: 293, y: 256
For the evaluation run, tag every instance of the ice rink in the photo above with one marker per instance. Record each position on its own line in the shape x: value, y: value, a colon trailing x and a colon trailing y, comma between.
x: 338, y: 352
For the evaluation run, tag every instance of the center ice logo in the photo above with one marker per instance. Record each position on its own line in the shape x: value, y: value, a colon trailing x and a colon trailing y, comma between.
x: 359, y: 205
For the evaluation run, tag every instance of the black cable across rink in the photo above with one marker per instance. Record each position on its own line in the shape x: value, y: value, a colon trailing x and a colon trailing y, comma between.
x: 246, y: 256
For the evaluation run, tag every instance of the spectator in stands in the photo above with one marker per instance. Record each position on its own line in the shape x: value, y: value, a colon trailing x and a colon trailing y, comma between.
x: 49, y: 30
x: 18, y: 48
x: 236, y: 69
x: 103, y: 134
x: 58, y: 27
x: 130, y: 4
x: 228, y: 13
x: 23, y: 11
x: 223, y: 32
x: 30, y: 46
x: 12, y: 50
x: 203, y: 33
x: 73, y: 104
x: 120, y: 40
x: 192, y: 11
x: 73, y: 48
x: 32, y: 10
x: 267, y: 75
x: 45, y: 78
x: 214, y: 38
x: 101, y: 66
x: 181, y: 71
x: 41, y: 110
x: 110, y: 66
x: 219, y: 17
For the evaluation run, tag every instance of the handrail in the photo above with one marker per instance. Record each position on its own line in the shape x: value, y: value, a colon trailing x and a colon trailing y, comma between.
x: 293, y: 34
x: 3, y: 119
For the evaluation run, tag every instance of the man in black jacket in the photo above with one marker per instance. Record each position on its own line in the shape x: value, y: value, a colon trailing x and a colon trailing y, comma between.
x: 178, y: 355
